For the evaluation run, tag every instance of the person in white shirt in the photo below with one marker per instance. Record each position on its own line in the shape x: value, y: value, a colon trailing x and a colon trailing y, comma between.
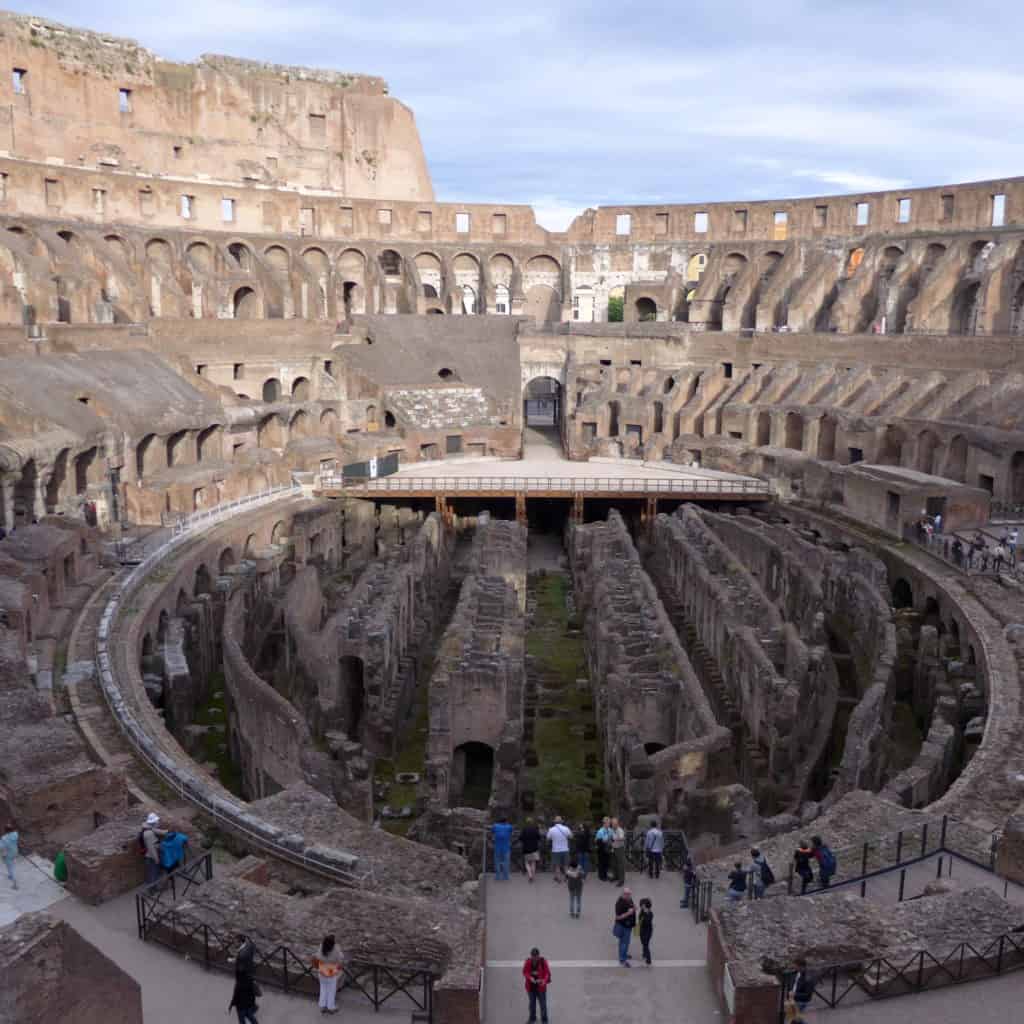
x: 559, y: 836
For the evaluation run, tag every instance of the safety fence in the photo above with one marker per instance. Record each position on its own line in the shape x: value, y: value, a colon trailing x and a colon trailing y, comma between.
x: 859, y: 865
x: 676, y: 850
x: 567, y: 485
x: 162, y: 918
x: 188, y: 784
x: 860, y: 981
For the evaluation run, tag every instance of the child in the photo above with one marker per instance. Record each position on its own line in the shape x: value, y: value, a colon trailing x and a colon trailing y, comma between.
x: 646, y: 928
x: 574, y: 876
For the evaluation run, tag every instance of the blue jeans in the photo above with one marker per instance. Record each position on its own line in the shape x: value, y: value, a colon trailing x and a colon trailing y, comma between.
x: 502, y: 861
x: 246, y: 1016
x: 153, y: 871
x: 688, y: 888
x: 584, y: 861
x: 735, y: 895
x: 625, y: 934
x: 542, y: 999
x: 575, y: 901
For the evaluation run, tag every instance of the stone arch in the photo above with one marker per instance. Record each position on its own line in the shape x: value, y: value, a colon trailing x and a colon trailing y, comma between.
x: 795, y: 431
x: 271, y: 390
x: 351, y: 273
x: 245, y: 304
x: 902, y: 594
x: 147, y: 457
x: 854, y: 259
x: 927, y: 449
x: 472, y: 775
x: 209, y: 443
x: 956, y: 460
x: 501, y: 267
x: 226, y: 560
x: 278, y: 532
x: 300, y: 389
x: 542, y: 401
x: 269, y: 432
x: 646, y: 309
x: 764, y: 428
x: 158, y: 250
x: 543, y: 304
x: 250, y: 546
x: 428, y: 265
x: 176, y: 448
x: 695, y: 266
x: 277, y: 258
x: 202, y: 582
x: 827, y: 438
x: 58, y: 478
x: 329, y: 423
x: 316, y: 260
x: 390, y: 263
x: 200, y: 257
x: 890, y: 450
x: 240, y: 257
x: 300, y: 426
x: 120, y: 246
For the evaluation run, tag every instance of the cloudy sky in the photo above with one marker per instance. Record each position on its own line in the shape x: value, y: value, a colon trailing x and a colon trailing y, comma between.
x: 566, y: 105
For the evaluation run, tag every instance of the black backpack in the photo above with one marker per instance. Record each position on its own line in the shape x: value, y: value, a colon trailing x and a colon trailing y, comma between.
x: 767, y: 875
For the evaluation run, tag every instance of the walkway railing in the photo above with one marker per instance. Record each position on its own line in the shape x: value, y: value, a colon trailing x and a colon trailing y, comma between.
x: 847, y: 984
x: 883, y: 856
x: 162, y: 920
x: 187, y: 784
x: 544, y: 484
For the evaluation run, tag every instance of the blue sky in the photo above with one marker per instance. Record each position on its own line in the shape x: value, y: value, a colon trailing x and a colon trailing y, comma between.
x: 570, y: 105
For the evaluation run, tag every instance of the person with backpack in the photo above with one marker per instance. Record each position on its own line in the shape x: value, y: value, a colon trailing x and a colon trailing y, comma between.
x: 761, y: 873
x: 802, y: 864
x: 149, y: 846
x: 646, y: 923
x: 826, y: 861
x: 172, y: 851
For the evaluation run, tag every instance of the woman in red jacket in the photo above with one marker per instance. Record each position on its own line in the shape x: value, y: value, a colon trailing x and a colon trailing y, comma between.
x: 538, y: 976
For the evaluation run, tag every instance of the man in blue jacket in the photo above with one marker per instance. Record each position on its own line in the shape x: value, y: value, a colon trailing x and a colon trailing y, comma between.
x: 502, y: 849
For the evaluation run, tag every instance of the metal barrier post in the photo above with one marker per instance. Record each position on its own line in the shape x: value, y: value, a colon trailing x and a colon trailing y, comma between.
x: 903, y: 882
x: 206, y: 946
x: 284, y: 968
x: 924, y: 838
x: 942, y: 838
x: 899, y: 847
x: 938, y: 870
x: 864, y: 860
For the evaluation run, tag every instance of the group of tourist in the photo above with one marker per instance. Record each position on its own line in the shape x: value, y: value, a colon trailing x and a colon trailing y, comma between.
x: 327, y: 961
x: 977, y: 553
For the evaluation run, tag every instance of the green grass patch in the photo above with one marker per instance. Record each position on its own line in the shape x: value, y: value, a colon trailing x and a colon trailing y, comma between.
x: 215, y: 712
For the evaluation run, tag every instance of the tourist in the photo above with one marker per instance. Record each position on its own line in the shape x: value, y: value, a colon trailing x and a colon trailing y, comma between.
x: 998, y: 557
x: 937, y: 522
x: 575, y: 877
x: 502, y: 832
x: 603, y: 838
x: 9, y: 850
x: 802, y: 988
x: 243, y: 998
x: 802, y: 863
x: 689, y: 882
x: 654, y: 848
x: 173, y: 849
x: 149, y: 838
x: 583, y: 842
x: 1011, y: 545
x: 646, y: 923
x: 537, y: 973
x: 619, y: 851
x: 737, y: 883
x: 625, y: 920
x: 328, y: 963
x: 559, y: 836
x: 826, y: 861
x: 761, y: 873
x: 529, y: 841
x: 245, y: 957
x: 958, y: 552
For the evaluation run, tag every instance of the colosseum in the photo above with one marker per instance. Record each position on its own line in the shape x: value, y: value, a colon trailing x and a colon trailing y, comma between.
x: 339, y: 524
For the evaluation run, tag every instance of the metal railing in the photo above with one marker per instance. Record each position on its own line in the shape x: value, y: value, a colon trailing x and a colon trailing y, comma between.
x: 674, y: 855
x: 543, y: 484
x: 885, y: 855
x: 883, y: 977
x: 188, y: 785
x: 162, y: 920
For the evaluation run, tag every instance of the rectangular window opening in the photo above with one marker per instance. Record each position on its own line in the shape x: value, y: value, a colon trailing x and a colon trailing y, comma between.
x: 237, y: 370
x: 317, y: 126
x: 863, y: 214
x: 462, y: 223
x: 200, y: 369
x: 345, y: 218
x: 998, y: 210
x: 307, y: 220
x: 19, y: 80
x: 903, y: 212
x: 739, y: 221
x: 636, y: 362
x: 499, y: 224
x: 605, y: 362
x: 227, y: 210
x: 948, y: 205
x: 700, y: 223
x: 187, y: 203
x: 661, y: 223
x: 820, y: 216
x: 384, y: 220
x: 727, y: 370
x: 146, y: 202
x: 424, y: 221
x: 780, y: 225
x: 623, y: 224
x: 855, y: 455
x: 124, y: 101
x: 99, y: 201
x: 177, y: 152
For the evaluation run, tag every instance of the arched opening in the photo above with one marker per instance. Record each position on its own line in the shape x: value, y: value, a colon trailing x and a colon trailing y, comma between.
x: 176, y: 448
x: 390, y: 263
x: 24, y: 495
x: 329, y: 423
x: 226, y: 560
x: 300, y: 426
x: 277, y: 534
x: 890, y: 451
x: 853, y: 261
x: 1017, y: 478
x: 241, y: 258
x: 670, y: 383
x: 614, y: 410
x: 55, y: 485
x: 502, y: 300
x: 85, y: 470
x: 468, y: 300
x: 967, y: 309
x: 354, y: 695
x: 203, y: 582
x: 389, y: 419
x: 272, y: 390
x: 146, y: 457
x: 827, y: 438
x: 902, y: 594
x: 956, y: 460
x: 429, y: 291
x: 542, y: 403
x: 543, y: 304
x: 246, y: 304
x: 646, y: 309
x: 208, y: 444
x: 269, y: 433
x: 795, y: 431
x: 927, y: 446
x: 472, y: 775
x: 1017, y: 312
x: 764, y: 428
x: 300, y: 389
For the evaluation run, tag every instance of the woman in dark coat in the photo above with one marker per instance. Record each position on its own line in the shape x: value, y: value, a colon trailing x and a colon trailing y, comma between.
x: 243, y: 999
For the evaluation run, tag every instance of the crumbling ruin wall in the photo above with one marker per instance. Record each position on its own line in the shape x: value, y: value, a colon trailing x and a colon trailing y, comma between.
x: 51, y: 973
x: 779, y: 689
x: 661, y: 736
x: 476, y: 690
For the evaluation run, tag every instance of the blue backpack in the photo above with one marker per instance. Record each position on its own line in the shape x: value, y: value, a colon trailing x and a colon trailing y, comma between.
x: 828, y: 861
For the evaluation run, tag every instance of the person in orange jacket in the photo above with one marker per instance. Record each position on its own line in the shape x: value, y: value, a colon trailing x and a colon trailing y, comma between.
x: 538, y: 976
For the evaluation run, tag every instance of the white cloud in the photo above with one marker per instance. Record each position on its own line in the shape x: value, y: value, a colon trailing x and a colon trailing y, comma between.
x: 853, y: 181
